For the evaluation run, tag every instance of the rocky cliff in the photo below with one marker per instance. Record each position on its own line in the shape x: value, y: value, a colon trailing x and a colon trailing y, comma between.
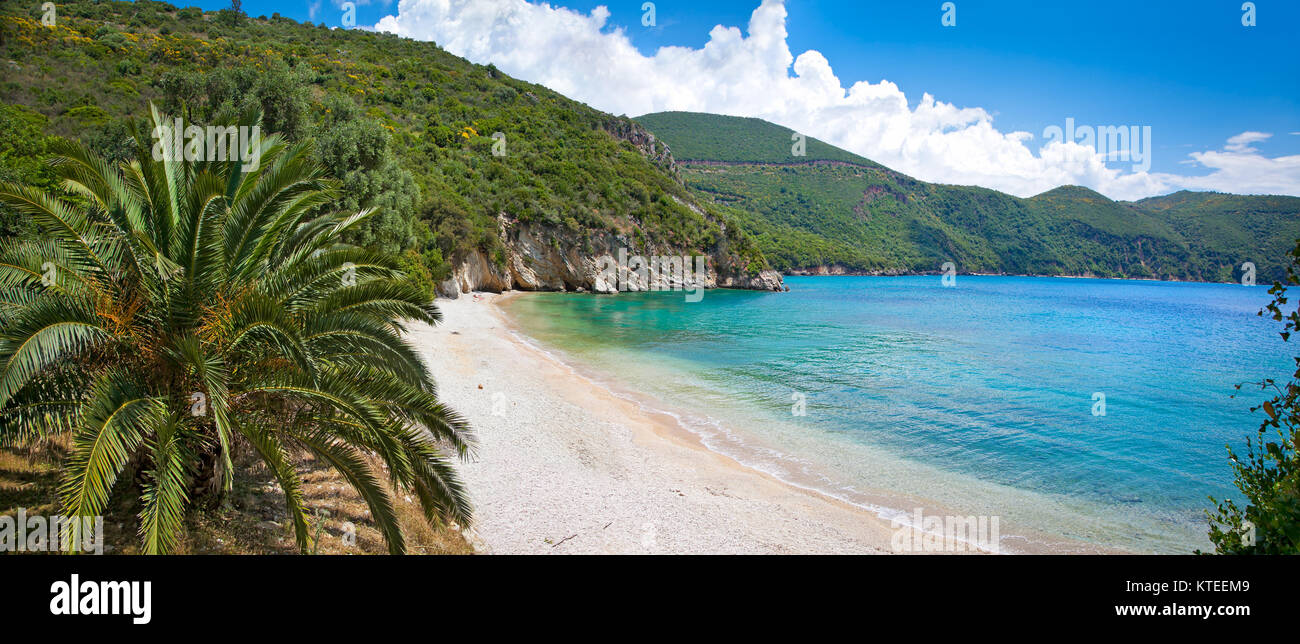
x: 543, y: 259
x: 546, y: 258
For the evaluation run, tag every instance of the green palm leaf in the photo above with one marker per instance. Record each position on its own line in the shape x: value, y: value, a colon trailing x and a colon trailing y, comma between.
x: 165, y: 490
x: 196, y: 308
x: 116, y: 420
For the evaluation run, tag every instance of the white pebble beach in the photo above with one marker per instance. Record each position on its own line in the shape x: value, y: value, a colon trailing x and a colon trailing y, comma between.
x: 565, y: 466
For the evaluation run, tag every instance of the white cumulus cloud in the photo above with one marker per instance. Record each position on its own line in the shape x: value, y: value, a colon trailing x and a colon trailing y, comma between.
x: 754, y: 73
x: 1240, y: 143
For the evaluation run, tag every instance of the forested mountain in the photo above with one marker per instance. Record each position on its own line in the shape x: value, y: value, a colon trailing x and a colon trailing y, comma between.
x: 402, y: 124
x: 832, y: 211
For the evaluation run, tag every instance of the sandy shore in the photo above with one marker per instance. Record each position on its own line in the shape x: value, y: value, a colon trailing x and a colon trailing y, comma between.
x: 565, y: 466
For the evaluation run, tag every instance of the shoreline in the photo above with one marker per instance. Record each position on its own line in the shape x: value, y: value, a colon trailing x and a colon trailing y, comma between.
x: 809, y: 273
x: 570, y: 464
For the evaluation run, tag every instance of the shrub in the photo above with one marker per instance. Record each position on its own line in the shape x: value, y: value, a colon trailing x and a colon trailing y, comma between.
x: 1269, y: 475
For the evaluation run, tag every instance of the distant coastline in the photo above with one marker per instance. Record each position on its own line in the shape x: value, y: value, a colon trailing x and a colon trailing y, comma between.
x: 854, y: 273
x: 840, y: 272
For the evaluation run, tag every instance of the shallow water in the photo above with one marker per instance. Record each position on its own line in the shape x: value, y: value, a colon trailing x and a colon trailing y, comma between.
x: 981, y: 397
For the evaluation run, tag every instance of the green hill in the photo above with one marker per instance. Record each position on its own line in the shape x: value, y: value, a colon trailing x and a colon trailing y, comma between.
x: 711, y: 137
x: 401, y: 124
x: 858, y: 216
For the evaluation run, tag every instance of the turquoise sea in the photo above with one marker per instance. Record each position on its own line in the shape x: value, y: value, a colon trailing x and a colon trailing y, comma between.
x: 978, y: 399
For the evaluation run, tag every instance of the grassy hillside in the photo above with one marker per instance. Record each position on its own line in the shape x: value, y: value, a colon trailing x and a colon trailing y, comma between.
x: 858, y: 216
x: 402, y: 124
x: 698, y: 136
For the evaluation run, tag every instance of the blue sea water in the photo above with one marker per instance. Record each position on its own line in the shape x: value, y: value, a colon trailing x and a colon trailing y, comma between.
x: 981, y: 398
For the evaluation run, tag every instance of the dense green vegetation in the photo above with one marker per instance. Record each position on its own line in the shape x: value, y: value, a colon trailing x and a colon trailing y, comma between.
x: 24, y: 147
x: 1227, y: 228
x: 735, y: 138
x: 404, y: 126
x: 171, y: 312
x: 859, y: 216
x: 1269, y: 474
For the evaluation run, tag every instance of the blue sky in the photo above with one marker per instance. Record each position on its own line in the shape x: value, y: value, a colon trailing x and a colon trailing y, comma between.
x: 1189, y: 69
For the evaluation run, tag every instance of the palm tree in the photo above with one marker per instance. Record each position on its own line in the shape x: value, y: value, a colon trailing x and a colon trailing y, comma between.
x: 174, y: 310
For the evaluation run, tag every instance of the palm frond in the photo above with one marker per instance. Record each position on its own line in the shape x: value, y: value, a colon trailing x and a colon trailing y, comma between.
x: 45, y: 332
x: 353, y: 467
x: 273, y: 452
x: 117, y: 418
x: 165, y: 494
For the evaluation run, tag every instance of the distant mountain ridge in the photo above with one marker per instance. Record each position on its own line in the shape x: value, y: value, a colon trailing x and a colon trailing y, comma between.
x: 739, y: 139
x: 831, y: 211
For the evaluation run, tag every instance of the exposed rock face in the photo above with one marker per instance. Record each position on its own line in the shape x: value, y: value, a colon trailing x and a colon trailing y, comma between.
x: 475, y: 273
x: 768, y: 280
x: 644, y: 141
x: 837, y: 269
x: 543, y: 259
x: 540, y: 258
